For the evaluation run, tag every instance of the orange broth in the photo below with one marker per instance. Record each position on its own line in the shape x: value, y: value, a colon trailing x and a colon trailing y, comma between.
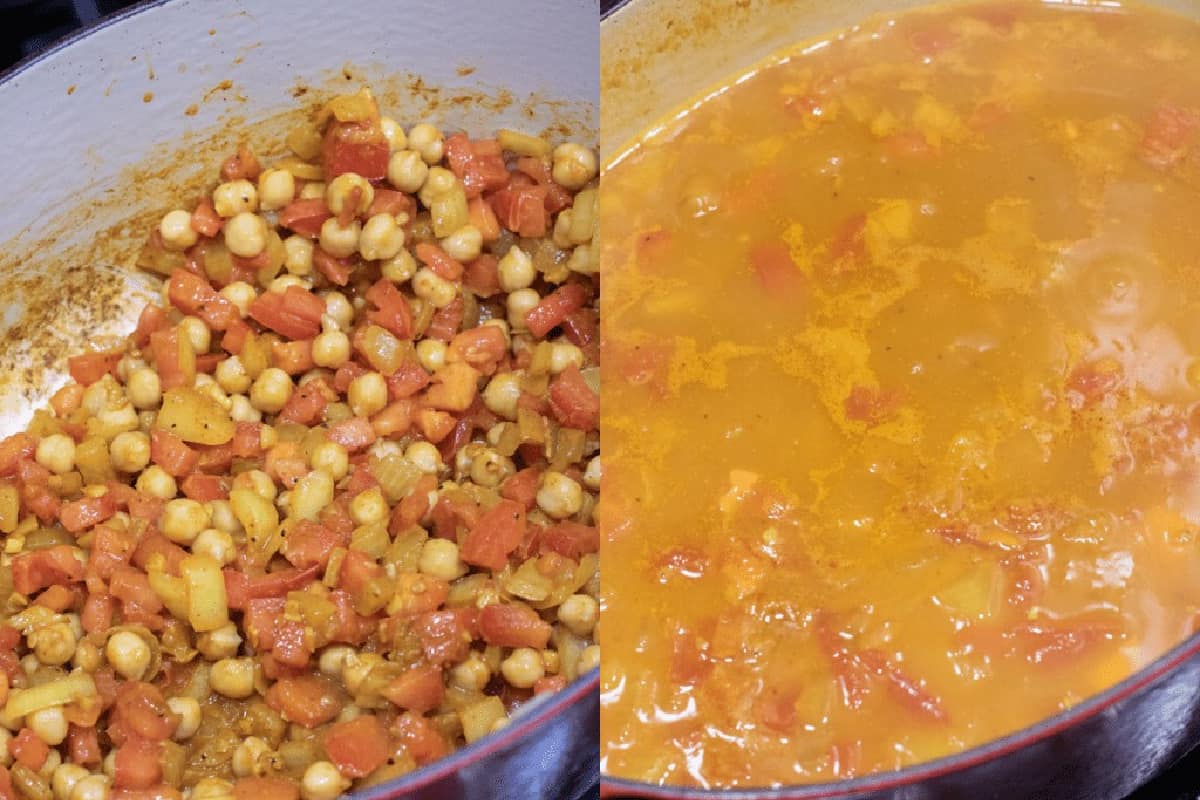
x: 901, y: 393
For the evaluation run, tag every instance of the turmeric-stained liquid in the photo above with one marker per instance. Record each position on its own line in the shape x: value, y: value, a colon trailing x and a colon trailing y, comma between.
x: 901, y: 394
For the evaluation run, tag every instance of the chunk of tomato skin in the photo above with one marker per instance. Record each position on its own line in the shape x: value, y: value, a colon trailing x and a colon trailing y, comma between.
x: 554, y: 308
x: 192, y: 294
x: 88, y: 368
x: 513, y: 626
x: 420, y: 689
x: 483, y: 217
x: 407, y: 380
x: 152, y: 319
x: 80, y: 515
x: 204, y: 488
x: 137, y: 764
x: 265, y: 788
x: 390, y: 201
x: 359, y: 746
x: 305, y: 216
x: 295, y: 314
x: 307, y: 404
x: 142, y: 707
x: 205, y: 219
x: 522, y: 487
x: 173, y: 359
x: 480, y: 347
x: 98, y: 611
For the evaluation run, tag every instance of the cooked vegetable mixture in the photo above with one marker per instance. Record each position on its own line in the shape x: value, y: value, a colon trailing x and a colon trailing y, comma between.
x: 328, y: 514
x: 902, y: 393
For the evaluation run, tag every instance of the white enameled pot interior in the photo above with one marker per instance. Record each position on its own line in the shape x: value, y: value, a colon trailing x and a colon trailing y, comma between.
x: 130, y: 119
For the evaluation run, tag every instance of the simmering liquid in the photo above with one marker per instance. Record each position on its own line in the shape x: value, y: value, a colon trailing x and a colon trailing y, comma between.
x: 901, y: 394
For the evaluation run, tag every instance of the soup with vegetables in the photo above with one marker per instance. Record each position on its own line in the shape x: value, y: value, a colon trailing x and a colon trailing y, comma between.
x: 902, y: 395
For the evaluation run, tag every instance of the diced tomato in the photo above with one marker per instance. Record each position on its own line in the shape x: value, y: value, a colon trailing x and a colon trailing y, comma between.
x: 407, y: 380
x: 355, y: 147
x: 155, y: 544
x: 522, y: 487
x: 305, y: 216
x: 484, y: 219
x: 286, y: 463
x: 1090, y: 383
x: 97, y: 612
x: 392, y: 311
x: 247, y: 440
x: 205, y: 219
x: 143, y: 710
x: 497, y: 533
x: 438, y: 260
x: 307, y: 404
x: 172, y: 454
x: 513, y: 626
x: 772, y: 263
x: 1169, y: 134
x: 435, y: 425
x: 354, y: 433
x: 481, y: 347
x: 910, y: 693
x: 570, y: 539
x: 28, y: 749
x: 554, y: 308
x: 87, y: 512
x: 14, y: 449
x: 393, y: 421
x: 7, y: 791
x: 294, y: 358
x: 389, y: 201
x: 573, y: 402
x: 111, y: 548
x: 240, y: 588
x: 57, y: 598
x: 193, y: 295
x: 420, y: 689
x: 34, y: 571
x: 137, y: 764
x: 482, y: 276
x: 204, y: 488
x: 152, y: 319
x: 83, y: 745
x: 173, y: 357
x: 241, y: 165
x: 235, y: 337
x: 522, y: 210
x: 872, y: 405
x: 359, y: 746
x: 292, y: 646
x: 337, y: 270
x: 445, y: 635
x: 91, y: 367
x: 420, y: 738
x: 446, y: 321
x: 266, y: 788
x: 295, y: 314
x: 309, y: 543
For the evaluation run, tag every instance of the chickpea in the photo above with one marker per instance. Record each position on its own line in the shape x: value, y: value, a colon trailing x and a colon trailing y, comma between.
x: 515, y: 270
x: 331, y: 349
x: 574, y: 166
x: 144, y: 388
x: 502, y: 393
x: 407, y: 171
x: 399, y: 268
x: 589, y: 659
x: 49, y: 725
x: 222, y: 643
x: 188, y: 709
x: 340, y: 190
x: 271, y: 391
x: 183, y: 519
x: 235, y: 197
x: 381, y: 238
x: 367, y: 394
x: 340, y: 241
x: 559, y: 496
x: 216, y: 544
x: 176, y: 230
x: 233, y: 677
x: 276, y: 188
x: 428, y: 141
x: 579, y: 613
x: 323, y: 781
x: 232, y: 376
x: 440, y: 559
x: 393, y: 133
x: 241, y: 294
x: 433, y: 288
x: 425, y: 457
x: 56, y: 453
x: 465, y: 244
x: 156, y: 482
x: 432, y: 354
x: 298, y: 255
x: 369, y: 507
x: 129, y: 451
x: 519, y: 304
x: 197, y: 333
x: 332, y: 458
x: 128, y: 654
x: 246, y: 234
x: 523, y: 668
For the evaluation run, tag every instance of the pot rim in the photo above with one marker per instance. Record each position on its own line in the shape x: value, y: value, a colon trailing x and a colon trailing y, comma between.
x: 531, y: 716
x: 927, y: 770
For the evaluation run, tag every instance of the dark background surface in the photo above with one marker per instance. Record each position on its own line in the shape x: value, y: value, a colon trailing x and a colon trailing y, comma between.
x: 27, y: 26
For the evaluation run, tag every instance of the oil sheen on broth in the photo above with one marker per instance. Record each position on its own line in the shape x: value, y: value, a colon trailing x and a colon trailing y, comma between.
x: 901, y: 394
